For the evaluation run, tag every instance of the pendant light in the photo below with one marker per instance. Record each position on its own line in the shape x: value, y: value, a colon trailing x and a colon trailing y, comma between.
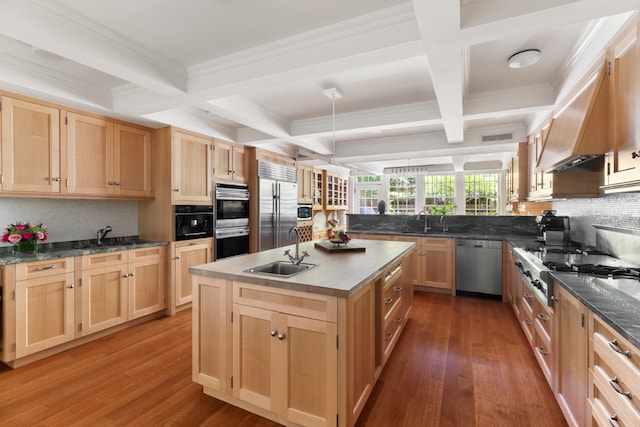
x: 333, y: 93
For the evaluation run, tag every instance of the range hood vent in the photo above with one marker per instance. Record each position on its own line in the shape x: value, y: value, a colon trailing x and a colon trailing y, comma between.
x: 578, y: 137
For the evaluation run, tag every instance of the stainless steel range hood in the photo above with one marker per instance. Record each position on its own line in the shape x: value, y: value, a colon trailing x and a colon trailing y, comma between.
x: 578, y: 137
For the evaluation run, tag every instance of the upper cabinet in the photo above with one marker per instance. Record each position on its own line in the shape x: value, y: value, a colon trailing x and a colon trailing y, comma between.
x: 230, y: 162
x: 516, y: 176
x: 191, y: 168
x: 335, y: 191
x: 622, y: 172
x: 30, y: 149
x: 49, y: 151
x: 305, y: 184
x: 107, y: 158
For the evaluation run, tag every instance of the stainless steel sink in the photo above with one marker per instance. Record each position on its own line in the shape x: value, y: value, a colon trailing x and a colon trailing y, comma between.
x: 281, y: 268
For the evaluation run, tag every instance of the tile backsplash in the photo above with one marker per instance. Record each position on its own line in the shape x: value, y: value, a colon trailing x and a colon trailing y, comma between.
x: 615, y: 210
x: 72, y: 219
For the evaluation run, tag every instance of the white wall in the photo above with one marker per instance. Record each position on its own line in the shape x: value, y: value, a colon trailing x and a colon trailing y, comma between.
x: 72, y: 219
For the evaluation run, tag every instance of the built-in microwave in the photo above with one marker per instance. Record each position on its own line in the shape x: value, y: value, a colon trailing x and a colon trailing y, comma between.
x: 305, y: 212
x: 193, y: 222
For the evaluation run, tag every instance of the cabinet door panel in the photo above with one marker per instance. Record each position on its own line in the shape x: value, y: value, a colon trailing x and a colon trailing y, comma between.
x: 252, y: 356
x: 89, y: 155
x: 186, y: 257
x: 308, y: 356
x: 104, y: 298
x: 191, y: 169
x: 44, y: 313
x: 146, y: 288
x: 30, y: 147
x: 132, y: 161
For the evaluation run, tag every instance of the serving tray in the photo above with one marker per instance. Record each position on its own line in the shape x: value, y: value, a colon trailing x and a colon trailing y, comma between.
x: 328, y: 246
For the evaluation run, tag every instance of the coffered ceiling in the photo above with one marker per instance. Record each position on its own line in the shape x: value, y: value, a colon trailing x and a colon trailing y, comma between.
x: 423, y: 81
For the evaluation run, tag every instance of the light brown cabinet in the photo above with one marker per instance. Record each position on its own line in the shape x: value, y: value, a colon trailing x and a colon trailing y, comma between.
x: 305, y: 184
x: 230, y: 162
x: 285, y: 356
x: 335, y: 188
x: 318, y: 191
x: 191, y: 168
x: 614, y: 377
x: 131, y: 162
x: 147, y: 281
x: 30, y: 147
x: 104, y: 291
x: 185, y: 255
x: 570, y: 340
x: 44, y: 305
x: 439, y: 264
x: 622, y: 172
x: 516, y: 177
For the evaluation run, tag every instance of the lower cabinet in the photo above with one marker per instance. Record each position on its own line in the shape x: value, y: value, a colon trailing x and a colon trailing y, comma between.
x: 104, y: 291
x: 433, y: 262
x: 186, y: 254
x: 44, y: 305
x: 60, y: 300
x: 571, y: 352
x: 295, y: 357
x: 614, y: 377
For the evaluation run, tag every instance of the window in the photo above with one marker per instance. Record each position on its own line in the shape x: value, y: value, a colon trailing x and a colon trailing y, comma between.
x: 440, y: 193
x: 481, y: 194
x: 402, y: 195
x: 368, y: 194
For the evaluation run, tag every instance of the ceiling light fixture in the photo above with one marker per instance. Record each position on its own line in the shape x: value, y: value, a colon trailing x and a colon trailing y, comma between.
x: 524, y: 58
x: 333, y: 93
x: 406, y: 170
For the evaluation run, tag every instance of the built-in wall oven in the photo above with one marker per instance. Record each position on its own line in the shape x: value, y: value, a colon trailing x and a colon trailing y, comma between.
x: 193, y: 222
x: 231, y: 208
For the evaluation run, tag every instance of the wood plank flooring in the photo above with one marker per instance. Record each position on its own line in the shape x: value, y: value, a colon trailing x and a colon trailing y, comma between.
x: 460, y: 362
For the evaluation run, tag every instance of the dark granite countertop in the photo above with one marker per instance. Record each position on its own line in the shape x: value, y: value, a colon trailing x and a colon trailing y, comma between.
x: 76, y: 248
x: 617, y: 309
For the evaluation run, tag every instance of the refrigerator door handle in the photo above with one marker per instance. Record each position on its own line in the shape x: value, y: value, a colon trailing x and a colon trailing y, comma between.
x: 277, y: 228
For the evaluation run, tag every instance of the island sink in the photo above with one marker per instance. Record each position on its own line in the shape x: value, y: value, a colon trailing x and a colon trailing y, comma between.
x: 281, y: 268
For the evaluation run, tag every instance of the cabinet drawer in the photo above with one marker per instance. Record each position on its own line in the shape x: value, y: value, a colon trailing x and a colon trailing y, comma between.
x: 32, y: 270
x: 542, y: 347
x: 544, y: 320
x: 616, y: 370
x: 146, y: 254
x: 106, y: 259
x: 391, y: 297
x: 391, y: 330
x: 304, y: 304
x: 601, y: 412
x: 526, y: 313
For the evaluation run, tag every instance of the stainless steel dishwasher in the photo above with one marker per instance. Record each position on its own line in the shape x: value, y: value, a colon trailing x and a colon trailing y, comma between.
x: 479, y: 268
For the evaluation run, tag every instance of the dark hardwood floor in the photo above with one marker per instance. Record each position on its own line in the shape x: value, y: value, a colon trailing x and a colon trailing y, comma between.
x: 460, y: 362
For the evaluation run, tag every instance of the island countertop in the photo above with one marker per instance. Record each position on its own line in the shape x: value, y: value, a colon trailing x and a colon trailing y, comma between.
x: 337, y: 274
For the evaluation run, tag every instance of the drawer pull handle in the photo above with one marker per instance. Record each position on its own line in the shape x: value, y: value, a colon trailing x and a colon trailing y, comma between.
x: 613, y: 420
x: 398, y: 320
x: 46, y: 267
x: 398, y: 288
x: 543, y: 317
x: 527, y: 295
x: 542, y: 351
x: 388, y: 300
x: 527, y: 322
x: 388, y: 337
x: 616, y: 386
x: 615, y: 347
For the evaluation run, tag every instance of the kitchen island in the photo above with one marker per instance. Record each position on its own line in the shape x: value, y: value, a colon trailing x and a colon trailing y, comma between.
x: 304, y: 350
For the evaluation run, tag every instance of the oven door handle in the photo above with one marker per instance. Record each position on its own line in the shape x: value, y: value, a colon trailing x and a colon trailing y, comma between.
x: 199, y: 233
x: 224, y: 234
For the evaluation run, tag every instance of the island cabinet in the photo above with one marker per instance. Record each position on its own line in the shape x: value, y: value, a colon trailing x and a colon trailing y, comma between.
x: 298, y: 355
x: 614, y: 377
x: 623, y: 161
x: 571, y: 356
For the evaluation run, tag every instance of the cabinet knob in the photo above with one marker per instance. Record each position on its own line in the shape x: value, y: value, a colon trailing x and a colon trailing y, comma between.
x: 125, y: 276
x: 56, y: 179
x: 70, y: 286
x: 131, y: 274
x: 177, y: 190
x: 281, y: 336
x: 177, y: 257
x: 274, y: 332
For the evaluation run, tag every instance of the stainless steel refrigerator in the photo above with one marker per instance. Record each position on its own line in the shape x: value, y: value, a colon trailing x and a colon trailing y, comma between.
x: 278, y: 204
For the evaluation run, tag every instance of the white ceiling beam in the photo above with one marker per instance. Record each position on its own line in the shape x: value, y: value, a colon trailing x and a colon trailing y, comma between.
x: 512, y: 101
x: 51, y: 26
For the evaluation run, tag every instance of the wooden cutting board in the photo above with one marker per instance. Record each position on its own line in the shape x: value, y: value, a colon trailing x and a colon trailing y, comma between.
x: 327, y: 246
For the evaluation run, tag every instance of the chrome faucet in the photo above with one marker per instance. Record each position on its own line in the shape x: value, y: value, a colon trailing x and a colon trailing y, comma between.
x: 444, y: 224
x: 427, y: 227
x: 102, y: 233
x: 297, y: 259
